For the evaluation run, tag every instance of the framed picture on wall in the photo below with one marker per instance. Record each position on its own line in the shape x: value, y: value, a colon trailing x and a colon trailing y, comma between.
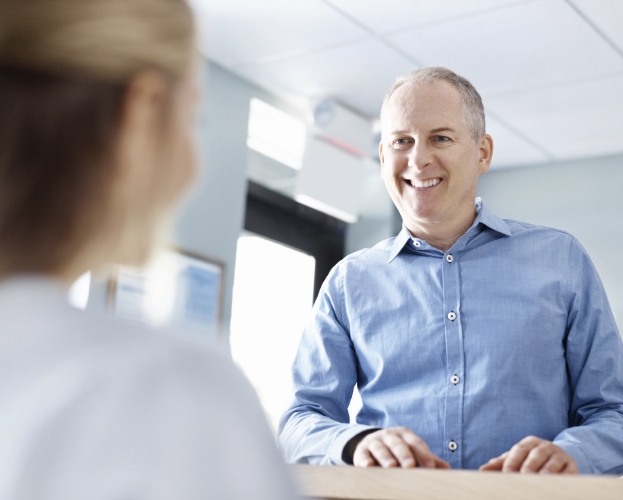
x: 175, y: 287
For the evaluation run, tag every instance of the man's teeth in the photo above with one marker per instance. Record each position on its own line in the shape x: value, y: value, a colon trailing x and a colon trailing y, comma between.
x: 425, y: 184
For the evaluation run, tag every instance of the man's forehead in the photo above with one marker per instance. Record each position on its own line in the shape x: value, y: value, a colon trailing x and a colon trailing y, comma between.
x: 431, y: 101
x: 415, y: 92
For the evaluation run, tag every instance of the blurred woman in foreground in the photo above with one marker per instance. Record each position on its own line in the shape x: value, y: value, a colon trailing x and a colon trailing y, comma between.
x: 97, y: 99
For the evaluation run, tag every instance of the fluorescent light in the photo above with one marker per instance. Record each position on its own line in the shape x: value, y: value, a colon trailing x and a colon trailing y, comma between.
x: 276, y: 134
x: 326, y: 208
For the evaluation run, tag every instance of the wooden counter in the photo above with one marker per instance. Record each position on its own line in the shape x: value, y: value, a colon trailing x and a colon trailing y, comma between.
x: 341, y: 482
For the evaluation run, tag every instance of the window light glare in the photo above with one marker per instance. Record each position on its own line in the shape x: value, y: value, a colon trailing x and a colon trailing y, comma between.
x: 276, y: 134
x: 79, y: 291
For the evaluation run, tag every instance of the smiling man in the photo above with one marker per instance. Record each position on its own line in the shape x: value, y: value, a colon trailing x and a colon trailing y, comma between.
x: 475, y: 342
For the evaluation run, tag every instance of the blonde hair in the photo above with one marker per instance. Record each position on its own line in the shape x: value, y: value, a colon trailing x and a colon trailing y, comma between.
x: 65, y: 66
x: 108, y: 40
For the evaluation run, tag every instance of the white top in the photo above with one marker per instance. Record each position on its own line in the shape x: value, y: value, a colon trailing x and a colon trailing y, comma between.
x: 94, y: 409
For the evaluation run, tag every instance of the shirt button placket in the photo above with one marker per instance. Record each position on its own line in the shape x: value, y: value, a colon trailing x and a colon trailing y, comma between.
x: 455, y: 355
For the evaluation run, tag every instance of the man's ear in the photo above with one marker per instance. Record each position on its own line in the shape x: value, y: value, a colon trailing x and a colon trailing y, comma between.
x: 485, y: 151
x: 381, y: 156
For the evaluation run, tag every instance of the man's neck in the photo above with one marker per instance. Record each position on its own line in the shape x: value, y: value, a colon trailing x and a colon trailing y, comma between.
x: 443, y: 236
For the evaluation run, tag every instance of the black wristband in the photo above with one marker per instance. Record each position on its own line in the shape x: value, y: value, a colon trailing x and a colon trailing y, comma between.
x: 349, y: 449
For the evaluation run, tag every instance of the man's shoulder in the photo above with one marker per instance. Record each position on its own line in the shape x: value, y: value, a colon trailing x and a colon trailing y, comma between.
x: 518, y: 226
x: 529, y: 237
x: 375, y: 253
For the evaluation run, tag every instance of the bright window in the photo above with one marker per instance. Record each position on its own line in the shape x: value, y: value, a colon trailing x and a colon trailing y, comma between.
x: 272, y: 300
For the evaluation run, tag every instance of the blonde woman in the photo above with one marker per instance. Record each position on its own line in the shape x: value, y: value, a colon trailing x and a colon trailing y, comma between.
x: 96, y: 146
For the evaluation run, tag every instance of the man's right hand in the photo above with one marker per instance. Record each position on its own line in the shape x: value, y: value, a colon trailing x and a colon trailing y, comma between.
x: 396, y: 447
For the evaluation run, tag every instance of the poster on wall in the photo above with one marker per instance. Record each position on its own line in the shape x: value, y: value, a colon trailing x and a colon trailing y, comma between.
x: 174, y: 288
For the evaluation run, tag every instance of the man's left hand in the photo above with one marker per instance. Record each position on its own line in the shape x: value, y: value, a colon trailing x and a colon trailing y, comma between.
x: 533, y: 455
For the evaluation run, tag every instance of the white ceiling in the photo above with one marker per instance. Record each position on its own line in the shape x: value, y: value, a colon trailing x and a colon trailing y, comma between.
x: 550, y: 71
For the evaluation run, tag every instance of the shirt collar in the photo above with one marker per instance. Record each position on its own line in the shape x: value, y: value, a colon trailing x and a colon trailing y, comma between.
x: 484, y: 216
x: 488, y: 218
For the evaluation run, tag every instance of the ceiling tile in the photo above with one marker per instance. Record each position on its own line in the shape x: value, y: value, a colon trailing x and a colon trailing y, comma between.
x: 395, y: 15
x: 526, y: 45
x: 550, y: 71
x: 236, y: 32
x: 576, y: 120
x: 345, y: 73
x: 510, y: 149
x: 606, y: 15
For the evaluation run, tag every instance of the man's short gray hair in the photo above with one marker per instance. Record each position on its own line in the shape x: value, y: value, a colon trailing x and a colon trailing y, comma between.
x: 473, y: 109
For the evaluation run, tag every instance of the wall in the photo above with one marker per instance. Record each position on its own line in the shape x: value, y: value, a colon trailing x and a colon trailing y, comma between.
x: 211, y: 217
x: 582, y: 197
x: 378, y: 218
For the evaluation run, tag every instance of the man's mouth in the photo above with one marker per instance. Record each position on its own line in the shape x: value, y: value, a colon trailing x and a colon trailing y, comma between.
x: 424, y: 184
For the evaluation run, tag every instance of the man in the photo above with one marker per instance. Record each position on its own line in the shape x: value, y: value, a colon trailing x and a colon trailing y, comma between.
x: 475, y: 342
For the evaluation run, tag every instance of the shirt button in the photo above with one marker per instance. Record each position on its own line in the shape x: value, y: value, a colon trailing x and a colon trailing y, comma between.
x: 452, y: 446
x: 451, y: 315
x: 449, y: 258
x: 455, y: 379
x: 417, y: 243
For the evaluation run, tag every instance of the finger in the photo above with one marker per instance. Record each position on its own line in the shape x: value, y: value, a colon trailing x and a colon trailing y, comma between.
x: 495, y: 464
x: 400, y: 449
x: 555, y: 464
x: 375, y: 449
x: 424, y: 457
x: 540, y: 456
x: 382, y: 454
x: 518, y: 454
x: 372, y: 451
x: 441, y: 464
x: 547, y: 458
x: 363, y: 458
x: 571, y: 467
x: 559, y: 463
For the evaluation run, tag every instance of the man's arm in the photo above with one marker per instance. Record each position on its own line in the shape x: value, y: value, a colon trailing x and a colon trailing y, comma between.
x: 316, y: 428
x: 594, y: 353
x: 593, y: 442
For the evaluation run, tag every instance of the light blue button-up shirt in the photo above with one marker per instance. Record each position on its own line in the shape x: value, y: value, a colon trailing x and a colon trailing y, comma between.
x: 507, y: 334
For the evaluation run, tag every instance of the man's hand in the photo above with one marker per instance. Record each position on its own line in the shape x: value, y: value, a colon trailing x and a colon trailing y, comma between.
x: 395, y: 447
x: 533, y: 455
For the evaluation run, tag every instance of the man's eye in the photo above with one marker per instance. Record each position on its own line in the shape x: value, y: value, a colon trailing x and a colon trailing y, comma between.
x: 401, y: 143
x: 441, y: 138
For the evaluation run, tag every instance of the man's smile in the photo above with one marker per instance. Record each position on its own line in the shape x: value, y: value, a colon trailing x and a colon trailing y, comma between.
x: 424, y: 183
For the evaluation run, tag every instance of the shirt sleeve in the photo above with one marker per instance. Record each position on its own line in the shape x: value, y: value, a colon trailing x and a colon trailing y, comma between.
x: 594, y: 353
x: 315, y: 429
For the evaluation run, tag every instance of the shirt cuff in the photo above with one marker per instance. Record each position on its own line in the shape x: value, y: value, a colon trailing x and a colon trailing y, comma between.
x: 584, y: 464
x: 337, y: 447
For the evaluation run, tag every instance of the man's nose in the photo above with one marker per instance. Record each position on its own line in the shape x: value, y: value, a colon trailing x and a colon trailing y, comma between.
x: 420, y: 155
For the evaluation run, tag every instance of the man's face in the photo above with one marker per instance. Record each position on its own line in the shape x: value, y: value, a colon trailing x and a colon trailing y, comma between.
x: 429, y: 161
